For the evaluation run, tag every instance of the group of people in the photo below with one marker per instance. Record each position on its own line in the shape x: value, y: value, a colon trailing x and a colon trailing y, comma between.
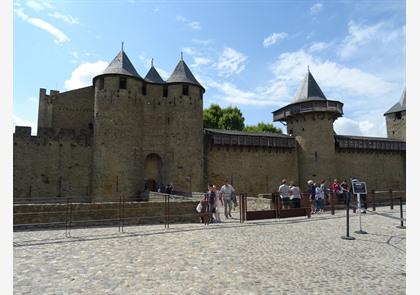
x: 289, y: 194
x: 216, y: 199
x: 319, y: 194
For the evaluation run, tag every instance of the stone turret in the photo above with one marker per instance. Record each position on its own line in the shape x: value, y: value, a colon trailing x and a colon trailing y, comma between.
x: 118, y: 130
x: 395, y: 119
x: 310, y: 119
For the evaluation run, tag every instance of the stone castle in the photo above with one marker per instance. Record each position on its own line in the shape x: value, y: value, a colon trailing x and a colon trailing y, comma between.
x: 125, y: 133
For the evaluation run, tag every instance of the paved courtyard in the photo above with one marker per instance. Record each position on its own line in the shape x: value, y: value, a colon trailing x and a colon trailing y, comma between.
x: 287, y: 256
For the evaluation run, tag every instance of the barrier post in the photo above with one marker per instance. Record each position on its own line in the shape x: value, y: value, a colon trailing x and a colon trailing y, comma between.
x: 123, y: 214
x: 373, y: 200
x: 332, y: 202
x: 347, y: 236
x: 401, y: 214
x: 359, y: 208
x: 391, y: 199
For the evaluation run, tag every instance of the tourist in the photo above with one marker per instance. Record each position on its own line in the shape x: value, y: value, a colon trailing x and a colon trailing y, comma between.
x: 319, y: 198
x: 344, y: 188
x: 336, y: 189
x: 211, y: 198
x: 325, y: 189
x: 217, y: 204
x: 295, y: 195
x: 169, y: 188
x: 227, y: 190
x: 284, y: 194
x: 311, y: 193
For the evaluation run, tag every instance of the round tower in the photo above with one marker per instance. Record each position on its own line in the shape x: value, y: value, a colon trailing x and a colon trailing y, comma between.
x: 117, y: 140
x: 185, y: 128
x: 310, y: 119
x: 395, y: 119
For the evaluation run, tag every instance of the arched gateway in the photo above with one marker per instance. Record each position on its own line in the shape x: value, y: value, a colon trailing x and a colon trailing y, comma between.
x: 152, y: 171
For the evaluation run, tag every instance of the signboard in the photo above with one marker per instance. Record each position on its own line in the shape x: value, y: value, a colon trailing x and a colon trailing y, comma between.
x: 359, y: 187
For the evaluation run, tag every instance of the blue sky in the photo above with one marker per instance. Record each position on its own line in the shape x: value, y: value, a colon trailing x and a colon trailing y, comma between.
x: 249, y: 54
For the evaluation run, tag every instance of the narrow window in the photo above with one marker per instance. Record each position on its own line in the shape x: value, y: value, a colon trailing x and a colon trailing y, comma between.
x: 144, y: 89
x: 165, y: 90
x: 398, y: 115
x: 185, y: 89
x: 101, y: 83
x: 123, y: 83
x: 316, y: 156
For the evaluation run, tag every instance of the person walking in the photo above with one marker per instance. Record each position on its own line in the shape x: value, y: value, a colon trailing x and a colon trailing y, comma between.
x: 218, y: 204
x: 319, y: 199
x: 344, y: 187
x: 284, y: 194
x: 211, y: 198
x: 311, y: 193
x: 295, y: 195
x: 227, y: 190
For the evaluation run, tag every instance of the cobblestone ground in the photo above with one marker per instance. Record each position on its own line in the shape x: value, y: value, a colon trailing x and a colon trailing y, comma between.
x: 287, y: 256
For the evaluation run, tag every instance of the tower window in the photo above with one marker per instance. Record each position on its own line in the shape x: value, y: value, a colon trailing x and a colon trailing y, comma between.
x: 101, y: 83
x: 144, y: 89
x: 185, y: 89
x: 316, y: 156
x: 398, y: 115
x: 165, y: 90
x: 123, y: 83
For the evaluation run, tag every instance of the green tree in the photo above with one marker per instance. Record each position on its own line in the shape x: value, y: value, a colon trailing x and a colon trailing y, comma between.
x: 211, y: 116
x: 231, y: 119
x: 262, y: 127
x: 228, y: 118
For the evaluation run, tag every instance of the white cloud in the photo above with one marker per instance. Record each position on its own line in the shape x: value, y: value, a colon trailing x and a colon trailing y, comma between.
x: 195, y: 25
x: 274, y: 38
x: 66, y: 18
x: 83, y: 74
x: 234, y: 95
x: 198, y: 61
x: 38, y: 5
x: 17, y: 121
x: 59, y: 37
x: 360, y: 35
x: 347, y: 126
x: 231, y: 62
x: 316, y: 8
x: 319, y: 46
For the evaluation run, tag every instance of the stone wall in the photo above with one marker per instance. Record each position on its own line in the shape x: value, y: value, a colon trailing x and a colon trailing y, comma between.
x: 71, y: 109
x: 55, y: 163
x: 380, y: 170
x: 252, y: 170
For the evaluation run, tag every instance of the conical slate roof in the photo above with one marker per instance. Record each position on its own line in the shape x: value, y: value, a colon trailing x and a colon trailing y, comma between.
x: 121, y: 65
x: 399, y: 106
x: 309, y: 90
x: 182, y: 74
x: 153, y: 76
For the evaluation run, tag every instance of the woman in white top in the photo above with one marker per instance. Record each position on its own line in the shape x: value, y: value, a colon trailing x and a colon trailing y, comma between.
x: 218, y: 204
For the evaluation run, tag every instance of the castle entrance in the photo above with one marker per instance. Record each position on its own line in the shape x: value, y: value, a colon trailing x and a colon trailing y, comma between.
x: 153, y: 171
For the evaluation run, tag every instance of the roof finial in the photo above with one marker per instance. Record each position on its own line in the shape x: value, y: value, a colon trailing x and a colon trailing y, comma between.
x: 308, y: 69
x: 182, y: 55
x: 152, y: 61
x: 122, y: 45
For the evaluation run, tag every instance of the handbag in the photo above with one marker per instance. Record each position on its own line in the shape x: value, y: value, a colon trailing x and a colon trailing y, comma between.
x: 199, y: 207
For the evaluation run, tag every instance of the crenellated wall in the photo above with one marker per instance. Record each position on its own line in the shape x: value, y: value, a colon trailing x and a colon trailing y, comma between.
x: 71, y: 109
x: 56, y: 162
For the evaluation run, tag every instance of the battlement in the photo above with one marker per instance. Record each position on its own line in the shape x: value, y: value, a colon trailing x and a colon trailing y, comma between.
x: 368, y: 143
x: 77, y: 136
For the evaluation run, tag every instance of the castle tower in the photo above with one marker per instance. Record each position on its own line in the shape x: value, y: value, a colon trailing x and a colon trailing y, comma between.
x: 117, y: 154
x: 395, y: 119
x: 310, y: 119
x: 185, y: 127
